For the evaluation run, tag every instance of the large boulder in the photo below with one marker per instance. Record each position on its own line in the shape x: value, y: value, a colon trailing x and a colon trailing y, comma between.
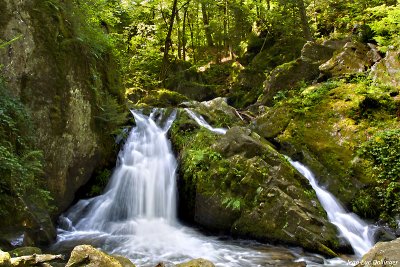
x: 383, y: 254
x: 292, y: 74
x: 238, y: 183
x: 387, y: 71
x: 70, y: 91
x: 88, y: 256
x: 353, y: 58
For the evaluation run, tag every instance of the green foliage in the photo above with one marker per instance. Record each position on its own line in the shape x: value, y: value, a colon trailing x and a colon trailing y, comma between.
x: 383, y: 150
x: 20, y: 163
x: 385, y: 21
x: 232, y: 203
x: 5, y: 44
x: 112, y: 115
x: 100, y: 182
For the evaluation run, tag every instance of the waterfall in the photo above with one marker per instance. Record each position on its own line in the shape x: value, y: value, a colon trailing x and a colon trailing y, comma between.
x: 351, y: 227
x: 203, y: 123
x: 359, y: 235
x: 136, y: 216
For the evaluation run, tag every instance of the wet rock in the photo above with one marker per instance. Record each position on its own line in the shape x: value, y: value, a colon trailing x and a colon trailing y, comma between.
x: 86, y: 255
x: 5, y: 244
x: 155, y: 98
x: 125, y: 262
x: 352, y: 58
x: 34, y: 260
x: 5, y: 259
x: 383, y: 254
x: 25, y: 251
x: 239, y: 183
x: 387, y: 71
x: 197, y: 263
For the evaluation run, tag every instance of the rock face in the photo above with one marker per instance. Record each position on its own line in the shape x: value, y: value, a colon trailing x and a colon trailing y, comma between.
x: 86, y: 255
x: 383, y: 254
x: 352, y: 58
x: 63, y: 84
x: 304, y: 69
x: 387, y: 71
x: 239, y: 183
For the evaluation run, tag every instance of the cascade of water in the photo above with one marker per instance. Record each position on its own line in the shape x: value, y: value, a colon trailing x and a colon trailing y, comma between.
x: 202, y: 122
x: 143, y: 183
x: 351, y: 227
x: 136, y: 216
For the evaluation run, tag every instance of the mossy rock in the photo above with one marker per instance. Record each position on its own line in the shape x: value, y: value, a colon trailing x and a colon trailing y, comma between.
x: 387, y: 71
x: 25, y: 251
x: 155, y: 98
x: 324, y: 125
x: 352, y: 58
x: 5, y: 259
x: 197, y: 263
x: 86, y: 255
x: 238, y: 183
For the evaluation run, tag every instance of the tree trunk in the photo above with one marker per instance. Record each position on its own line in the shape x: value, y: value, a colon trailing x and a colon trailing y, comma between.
x: 178, y: 21
x: 304, y: 20
x: 184, y: 33
x: 206, y: 23
x: 168, y: 43
x: 226, y: 26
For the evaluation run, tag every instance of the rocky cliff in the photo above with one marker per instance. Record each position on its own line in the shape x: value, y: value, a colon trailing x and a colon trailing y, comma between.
x: 67, y: 81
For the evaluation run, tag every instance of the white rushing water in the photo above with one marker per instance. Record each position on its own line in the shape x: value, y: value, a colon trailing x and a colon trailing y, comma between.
x: 203, y: 123
x: 359, y: 234
x: 136, y: 216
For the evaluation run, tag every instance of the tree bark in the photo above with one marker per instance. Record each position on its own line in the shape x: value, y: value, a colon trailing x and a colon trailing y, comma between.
x: 168, y: 43
x: 304, y: 20
x: 178, y: 21
x: 206, y: 23
x: 185, y: 11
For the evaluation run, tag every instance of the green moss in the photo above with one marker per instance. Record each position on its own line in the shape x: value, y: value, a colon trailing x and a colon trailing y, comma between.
x: 161, y: 98
x: 329, y: 122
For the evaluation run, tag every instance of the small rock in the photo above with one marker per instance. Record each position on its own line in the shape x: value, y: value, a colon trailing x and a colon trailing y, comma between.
x: 88, y: 256
x: 4, y: 259
x: 124, y: 261
x: 25, y: 251
x: 197, y: 263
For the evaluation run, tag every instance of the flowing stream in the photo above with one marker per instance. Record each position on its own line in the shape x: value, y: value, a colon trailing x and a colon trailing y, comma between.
x: 351, y: 227
x: 136, y: 216
x: 203, y: 123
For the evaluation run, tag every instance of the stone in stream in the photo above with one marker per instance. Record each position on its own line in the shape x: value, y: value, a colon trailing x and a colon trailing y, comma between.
x: 25, y: 251
x: 197, y: 263
x: 86, y: 255
x: 383, y: 254
x: 4, y: 259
